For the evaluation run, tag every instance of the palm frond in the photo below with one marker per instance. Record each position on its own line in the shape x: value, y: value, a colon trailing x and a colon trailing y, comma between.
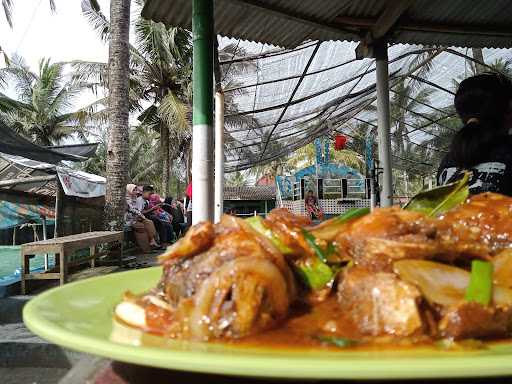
x: 174, y: 112
x: 100, y: 23
x: 7, y: 7
x: 90, y: 72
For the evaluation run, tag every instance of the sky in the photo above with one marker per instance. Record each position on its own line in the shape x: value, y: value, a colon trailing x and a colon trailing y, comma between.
x: 63, y: 35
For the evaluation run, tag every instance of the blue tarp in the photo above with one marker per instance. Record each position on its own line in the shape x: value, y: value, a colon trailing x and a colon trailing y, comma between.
x: 13, y: 214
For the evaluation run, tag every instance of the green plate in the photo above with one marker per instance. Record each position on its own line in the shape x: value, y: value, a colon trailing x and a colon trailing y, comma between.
x: 79, y: 316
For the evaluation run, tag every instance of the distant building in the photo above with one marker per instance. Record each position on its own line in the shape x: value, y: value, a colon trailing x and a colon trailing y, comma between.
x: 248, y: 200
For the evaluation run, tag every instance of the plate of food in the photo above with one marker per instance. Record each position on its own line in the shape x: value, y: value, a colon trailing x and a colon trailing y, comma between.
x: 414, y: 292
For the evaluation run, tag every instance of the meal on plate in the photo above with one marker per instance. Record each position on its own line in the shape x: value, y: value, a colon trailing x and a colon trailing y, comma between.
x: 438, y: 269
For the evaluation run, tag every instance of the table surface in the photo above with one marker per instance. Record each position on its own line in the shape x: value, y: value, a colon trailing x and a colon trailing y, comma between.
x: 103, y: 371
x: 77, y: 237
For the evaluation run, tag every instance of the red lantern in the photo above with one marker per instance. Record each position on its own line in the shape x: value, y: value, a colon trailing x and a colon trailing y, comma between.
x: 339, y: 142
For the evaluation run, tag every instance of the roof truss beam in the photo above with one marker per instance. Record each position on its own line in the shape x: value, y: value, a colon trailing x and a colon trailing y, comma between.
x: 287, y: 14
x: 415, y: 26
x: 389, y: 18
x: 374, y: 42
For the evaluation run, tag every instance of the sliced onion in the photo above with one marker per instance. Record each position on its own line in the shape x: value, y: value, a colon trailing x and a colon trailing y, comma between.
x: 131, y: 313
x: 439, y: 283
x: 443, y: 284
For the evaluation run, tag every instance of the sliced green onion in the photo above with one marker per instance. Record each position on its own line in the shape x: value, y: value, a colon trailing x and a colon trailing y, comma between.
x: 480, y: 283
x: 257, y: 223
x: 316, y: 274
x: 331, y: 249
x: 310, y: 239
x: 340, y: 342
x: 351, y: 214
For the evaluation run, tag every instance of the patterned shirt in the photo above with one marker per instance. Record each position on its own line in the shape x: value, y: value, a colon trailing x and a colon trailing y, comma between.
x: 492, y: 175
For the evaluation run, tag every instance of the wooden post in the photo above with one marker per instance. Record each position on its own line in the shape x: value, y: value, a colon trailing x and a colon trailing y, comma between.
x: 59, y: 210
x: 92, y: 251
x: 25, y: 268
x: 45, y: 237
x: 121, y: 253
x: 63, y: 266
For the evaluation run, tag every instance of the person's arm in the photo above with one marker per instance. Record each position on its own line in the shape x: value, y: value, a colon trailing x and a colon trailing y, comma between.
x: 153, y: 208
x: 134, y: 211
x: 141, y: 202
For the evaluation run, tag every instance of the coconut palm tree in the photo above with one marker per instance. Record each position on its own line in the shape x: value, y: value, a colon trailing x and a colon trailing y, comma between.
x: 118, y: 110
x: 143, y: 166
x: 43, y: 109
x: 160, y: 83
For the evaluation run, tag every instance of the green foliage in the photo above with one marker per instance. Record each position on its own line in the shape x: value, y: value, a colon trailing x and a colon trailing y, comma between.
x: 236, y: 179
x: 42, y: 110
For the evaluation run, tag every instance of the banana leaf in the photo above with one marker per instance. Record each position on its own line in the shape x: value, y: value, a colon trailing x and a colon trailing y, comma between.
x: 438, y: 200
x: 328, y: 229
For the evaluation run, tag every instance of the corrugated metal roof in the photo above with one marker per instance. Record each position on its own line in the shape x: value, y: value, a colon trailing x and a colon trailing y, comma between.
x: 256, y: 192
x: 287, y: 23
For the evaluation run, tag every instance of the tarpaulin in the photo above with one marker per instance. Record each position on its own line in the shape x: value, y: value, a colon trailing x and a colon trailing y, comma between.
x: 14, y: 144
x: 81, y: 184
x: 13, y: 214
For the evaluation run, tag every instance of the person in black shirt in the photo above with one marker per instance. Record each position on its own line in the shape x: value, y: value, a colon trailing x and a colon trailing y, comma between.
x: 178, y: 219
x: 484, y: 145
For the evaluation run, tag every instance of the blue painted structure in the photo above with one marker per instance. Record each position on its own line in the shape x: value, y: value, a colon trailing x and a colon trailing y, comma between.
x: 323, y: 168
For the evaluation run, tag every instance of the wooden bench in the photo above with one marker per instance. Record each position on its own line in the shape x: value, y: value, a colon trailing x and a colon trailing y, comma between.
x: 64, y: 247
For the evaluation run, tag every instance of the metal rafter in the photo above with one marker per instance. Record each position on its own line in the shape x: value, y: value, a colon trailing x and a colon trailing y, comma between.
x: 388, y: 18
x: 289, y: 14
x: 306, y: 68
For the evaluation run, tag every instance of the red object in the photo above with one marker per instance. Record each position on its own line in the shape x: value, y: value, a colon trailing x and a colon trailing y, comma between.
x: 189, y: 191
x: 339, y: 142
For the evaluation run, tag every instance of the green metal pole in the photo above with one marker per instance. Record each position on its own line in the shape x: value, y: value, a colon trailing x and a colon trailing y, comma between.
x: 202, y: 111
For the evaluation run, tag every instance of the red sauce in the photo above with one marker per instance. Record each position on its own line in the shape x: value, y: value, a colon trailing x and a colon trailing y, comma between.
x: 157, y: 319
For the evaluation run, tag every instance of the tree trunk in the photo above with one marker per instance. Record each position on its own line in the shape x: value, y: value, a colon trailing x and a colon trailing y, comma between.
x: 166, y: 158
x: 118, y: 135
x: 478, y: 55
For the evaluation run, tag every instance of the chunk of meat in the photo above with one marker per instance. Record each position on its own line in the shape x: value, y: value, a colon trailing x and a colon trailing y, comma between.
x: 244, y: 296
x: 239, y: 285
x: 380, y: 303
x: 479, y: 228
x: 197, y: 239
x: 473, y: 320
x: 376, y: 240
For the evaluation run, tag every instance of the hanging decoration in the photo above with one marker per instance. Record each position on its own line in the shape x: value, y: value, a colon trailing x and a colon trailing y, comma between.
x: 339, y: 142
